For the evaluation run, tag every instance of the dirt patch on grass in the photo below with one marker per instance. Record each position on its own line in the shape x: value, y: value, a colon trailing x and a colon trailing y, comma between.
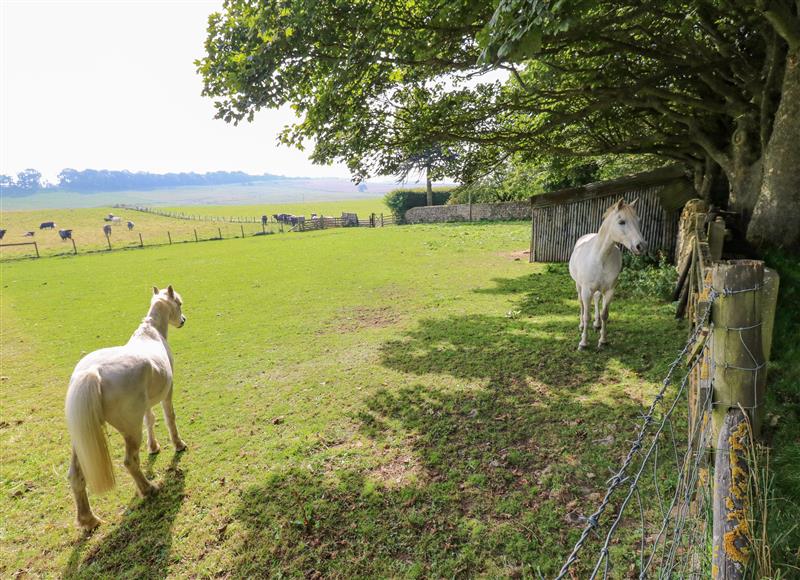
x: 399, y: 472
x: 363, y: 317
x: 518, y: 255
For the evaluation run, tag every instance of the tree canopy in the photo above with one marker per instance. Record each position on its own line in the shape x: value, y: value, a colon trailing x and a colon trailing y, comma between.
x: 713, y: 84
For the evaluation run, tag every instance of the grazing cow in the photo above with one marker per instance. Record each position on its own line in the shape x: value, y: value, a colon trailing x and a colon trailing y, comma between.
x: 2, y: 234
x: 65, y: 234
x: 47, y: 225
x: 130, y: 225
x: 107, y: 230
x: 28, y: 234
x: 264, y: 220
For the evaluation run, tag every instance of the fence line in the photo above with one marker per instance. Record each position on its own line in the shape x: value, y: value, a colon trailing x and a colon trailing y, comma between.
x: 696, y: 522
x: 140, y: 244
x: 321, y: 222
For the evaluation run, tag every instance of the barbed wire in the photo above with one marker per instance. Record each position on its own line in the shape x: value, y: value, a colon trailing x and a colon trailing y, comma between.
x: 672, y: 548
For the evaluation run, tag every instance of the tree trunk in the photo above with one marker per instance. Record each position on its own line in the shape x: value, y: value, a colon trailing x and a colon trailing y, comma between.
x: 776, y: 215
x: 429, y: 186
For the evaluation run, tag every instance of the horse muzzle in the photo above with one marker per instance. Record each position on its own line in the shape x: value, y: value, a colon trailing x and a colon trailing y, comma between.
x: 183, y: 321
x: 639, y: 248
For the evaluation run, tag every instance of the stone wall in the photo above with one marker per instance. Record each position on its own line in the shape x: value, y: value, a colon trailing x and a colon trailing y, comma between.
x: 512, y: 210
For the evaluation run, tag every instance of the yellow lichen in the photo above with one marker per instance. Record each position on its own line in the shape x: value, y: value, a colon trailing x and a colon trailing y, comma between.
x: 737, y: 540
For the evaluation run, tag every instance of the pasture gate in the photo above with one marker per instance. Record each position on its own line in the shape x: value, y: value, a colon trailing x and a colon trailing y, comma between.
x: 687, y: 486
x: 559, y: 218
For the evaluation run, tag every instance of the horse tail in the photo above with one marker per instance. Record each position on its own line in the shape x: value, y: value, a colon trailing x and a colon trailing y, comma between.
x: 85, y: 423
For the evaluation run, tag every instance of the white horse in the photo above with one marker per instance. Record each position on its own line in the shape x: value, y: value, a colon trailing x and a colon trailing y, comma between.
x: 119, y: 385
x: 596, y: 262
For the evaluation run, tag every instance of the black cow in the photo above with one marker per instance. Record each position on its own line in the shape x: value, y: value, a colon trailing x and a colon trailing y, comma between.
x: 107, y: 230
x: 65, y: 234
x: 2, y: 234
x: 47, y: 225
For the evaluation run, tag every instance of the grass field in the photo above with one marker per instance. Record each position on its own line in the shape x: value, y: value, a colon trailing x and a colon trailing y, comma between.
x: 363, y: 207
x: 290, y: 190
x: 391, y: 402
x: 87, y: 225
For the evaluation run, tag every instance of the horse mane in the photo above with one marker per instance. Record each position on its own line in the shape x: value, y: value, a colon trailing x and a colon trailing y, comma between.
x: 613, y: 208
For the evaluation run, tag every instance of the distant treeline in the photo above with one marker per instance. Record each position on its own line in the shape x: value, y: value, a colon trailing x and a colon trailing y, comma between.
x: 30, y: 181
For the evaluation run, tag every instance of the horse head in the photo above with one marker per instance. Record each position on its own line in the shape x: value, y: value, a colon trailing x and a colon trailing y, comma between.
x: 622, y: 223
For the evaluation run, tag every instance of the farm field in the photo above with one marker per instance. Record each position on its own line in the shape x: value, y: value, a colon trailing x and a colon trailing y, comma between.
x: 368, y: 402
x: 363, y: 207
x: 87, y: 225
x: 289, y: 190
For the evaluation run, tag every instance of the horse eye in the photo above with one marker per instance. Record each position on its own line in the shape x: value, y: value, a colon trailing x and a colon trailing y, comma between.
x: 622, y: 223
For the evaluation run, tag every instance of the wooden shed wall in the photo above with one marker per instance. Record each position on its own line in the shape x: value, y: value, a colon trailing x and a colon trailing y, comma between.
x: 557, y: 226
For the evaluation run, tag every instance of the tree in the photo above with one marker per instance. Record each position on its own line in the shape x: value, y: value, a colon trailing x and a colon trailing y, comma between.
x: 714, y: 84
x: 29, y: 180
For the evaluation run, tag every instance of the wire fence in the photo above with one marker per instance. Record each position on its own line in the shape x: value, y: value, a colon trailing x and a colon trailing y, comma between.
x: 677, y: 507
x: 656, y: 486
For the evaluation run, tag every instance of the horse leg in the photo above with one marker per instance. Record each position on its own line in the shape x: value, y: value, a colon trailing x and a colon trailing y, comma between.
x: 586, y: 309
x: 596, y: 299
x: 132, y: 444
x: 150, y: 422
x: 169, y: 417
x: 607, y: 296
x: 580, y: 318
x: 86, y: 518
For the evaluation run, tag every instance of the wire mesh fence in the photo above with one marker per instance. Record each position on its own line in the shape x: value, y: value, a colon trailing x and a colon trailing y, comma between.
x: 668, y: 512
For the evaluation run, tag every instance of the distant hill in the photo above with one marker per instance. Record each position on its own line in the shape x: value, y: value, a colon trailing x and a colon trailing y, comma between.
x: 29, y: 181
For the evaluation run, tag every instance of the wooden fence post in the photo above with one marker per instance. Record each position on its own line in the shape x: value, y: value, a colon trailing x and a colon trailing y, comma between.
x: 195, y: 235
x: 716, y: 238
x: 219, y: 231
x: 731, y: 531
x: 141, y: 242
x: 739, y: 388
x: 739, y: 366
x: 108, y: 239
x: 36, y: 247
x: 242, y: 228
x: 74, y: 249
x: 169, y: 237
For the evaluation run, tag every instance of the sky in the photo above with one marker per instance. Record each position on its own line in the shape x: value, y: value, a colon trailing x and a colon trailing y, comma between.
x: 111, y: 84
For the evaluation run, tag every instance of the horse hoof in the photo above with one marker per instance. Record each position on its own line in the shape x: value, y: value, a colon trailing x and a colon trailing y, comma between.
x: 581, y: 347
x: 602, y: 344
x: 90, y: 523
x: 181, y: 447
x: 154, y: 450
x: 597, y: 326
x: 151, y: 490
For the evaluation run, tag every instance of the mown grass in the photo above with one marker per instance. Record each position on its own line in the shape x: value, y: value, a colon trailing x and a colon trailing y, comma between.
x: 392, y: 402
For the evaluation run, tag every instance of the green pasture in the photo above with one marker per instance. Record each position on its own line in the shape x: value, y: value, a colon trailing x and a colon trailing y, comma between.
x: 362, y: 207
x: 87, y: 225
x: 389, y: 402
x: 403, y: 401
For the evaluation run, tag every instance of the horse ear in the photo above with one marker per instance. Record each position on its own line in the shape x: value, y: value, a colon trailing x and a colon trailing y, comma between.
x: 155, y: 290
x: 170, y: 291
x: 633, y: 203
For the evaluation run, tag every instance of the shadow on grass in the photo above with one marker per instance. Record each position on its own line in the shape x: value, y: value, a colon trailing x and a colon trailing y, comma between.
x: 499, y: 474
x: 140, y: 545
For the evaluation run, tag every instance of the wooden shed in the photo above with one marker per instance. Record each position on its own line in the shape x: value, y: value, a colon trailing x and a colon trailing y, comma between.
x: 559, y: 218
